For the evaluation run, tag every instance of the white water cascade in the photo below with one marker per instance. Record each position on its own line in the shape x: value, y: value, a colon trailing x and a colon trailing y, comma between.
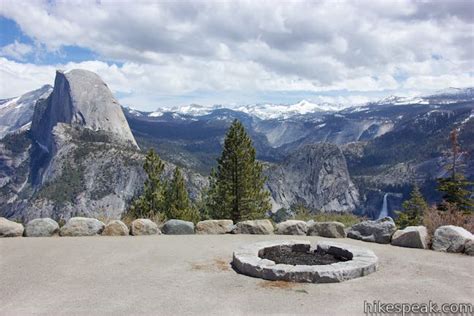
x: 384, y: 210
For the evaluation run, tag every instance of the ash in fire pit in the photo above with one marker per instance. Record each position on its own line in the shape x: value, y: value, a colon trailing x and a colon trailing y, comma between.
x: 298, y: 261
x: 300, y: 256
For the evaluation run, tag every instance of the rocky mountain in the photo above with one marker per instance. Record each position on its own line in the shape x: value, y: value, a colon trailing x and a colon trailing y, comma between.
x: 387, y: 145
x: 79, y: 158
x: 16, y: 113
x: 315, y: 176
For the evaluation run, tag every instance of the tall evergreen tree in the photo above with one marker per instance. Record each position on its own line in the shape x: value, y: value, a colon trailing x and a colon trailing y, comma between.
x: 177, y: 203
x: 237, y: 190
x: 413, y: 210
x: 457, y: 190
x: 151, y: 201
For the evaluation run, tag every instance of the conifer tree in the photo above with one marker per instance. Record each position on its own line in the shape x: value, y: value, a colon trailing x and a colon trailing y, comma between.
x: 151, y: 201
x: 237, y: 190
x: 457, y: 190
x: 413, y: 210
x: 176, y: 198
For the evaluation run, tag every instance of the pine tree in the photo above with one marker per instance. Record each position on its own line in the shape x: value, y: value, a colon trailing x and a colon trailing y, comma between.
x: 177, y: 202
x: 237, y: 190
x: 457, y: 190
x: 151, y: 201
x: 413, y: 210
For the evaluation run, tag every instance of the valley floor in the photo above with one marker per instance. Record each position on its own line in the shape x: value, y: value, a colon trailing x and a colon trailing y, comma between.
x: 174, y: 275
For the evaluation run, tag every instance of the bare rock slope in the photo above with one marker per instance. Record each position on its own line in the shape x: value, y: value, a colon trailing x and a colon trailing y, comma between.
x: 315, y: 176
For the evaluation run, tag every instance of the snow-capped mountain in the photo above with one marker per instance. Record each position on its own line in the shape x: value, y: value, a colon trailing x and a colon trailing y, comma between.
x: 269, y: 111
x: 16, y: 113
x: 264, y: 111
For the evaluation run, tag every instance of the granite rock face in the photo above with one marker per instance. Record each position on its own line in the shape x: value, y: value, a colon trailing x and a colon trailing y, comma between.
x: 80, y: 97
x: 41, y: 227
x: 144, y: 226
x: 327, y: 229
x: 16, y: 113
x: 316, y: 176
x: 10, y: 229
x: 79, y: 159
x: 215, y: 226
x: 178, y: 227
x: 411, y: 237
x: 451, y: 238
x: 256, y: 227
x: 291, y: 227
x: 82, y: 226
x: 379, y: 231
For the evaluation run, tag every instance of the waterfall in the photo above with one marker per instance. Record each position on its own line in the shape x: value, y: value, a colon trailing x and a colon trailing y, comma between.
x: 384, y: 210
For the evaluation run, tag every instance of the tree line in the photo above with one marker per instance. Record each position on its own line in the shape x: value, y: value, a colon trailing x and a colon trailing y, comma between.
x: 236, y: 186
x: 457, y: 196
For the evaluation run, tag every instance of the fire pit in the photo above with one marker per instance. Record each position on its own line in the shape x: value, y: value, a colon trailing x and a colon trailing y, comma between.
x: 297, y: 261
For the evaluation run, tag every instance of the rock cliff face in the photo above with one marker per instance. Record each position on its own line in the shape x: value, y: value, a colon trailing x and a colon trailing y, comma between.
x: 316, y: 177
x: 80, y: 97
x: 16, y: 113
x: 78, y: 159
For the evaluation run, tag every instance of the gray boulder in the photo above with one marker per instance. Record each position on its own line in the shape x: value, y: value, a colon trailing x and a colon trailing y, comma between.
x: 82, y: 226
x: 469, y: 247
x: 411, y: 237
x: 116, y: 228
x: 292, y: 227
x: 10, y: 229
x: 215, y: 226
x: 41, y: 227
x: 256, y: 227
x: 450, y: 238
x: 327, y: 229
x: 143, y: 226
x: 379, y: 231
x: 178, y: 227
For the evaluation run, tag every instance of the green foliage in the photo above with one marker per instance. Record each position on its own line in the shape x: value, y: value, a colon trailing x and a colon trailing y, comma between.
x: 177, y: 203
x: 456, y: 189
x: 17, y: 143
x: 413, y: 210
x: 237, y: 186
x: 66, y: 187
x: 151, y: 202
x: 302, y: 213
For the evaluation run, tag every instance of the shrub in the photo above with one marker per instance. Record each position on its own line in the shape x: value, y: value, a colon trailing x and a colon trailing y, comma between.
x: 434, y: 218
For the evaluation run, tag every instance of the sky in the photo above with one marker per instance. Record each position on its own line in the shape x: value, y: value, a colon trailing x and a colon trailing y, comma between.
x: 157, y: 54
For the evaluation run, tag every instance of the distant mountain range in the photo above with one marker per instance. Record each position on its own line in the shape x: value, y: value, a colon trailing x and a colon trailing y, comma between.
x: 268, y: 111
x: 322, y: 156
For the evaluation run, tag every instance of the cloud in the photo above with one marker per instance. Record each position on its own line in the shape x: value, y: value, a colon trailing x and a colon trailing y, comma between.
x: 160, y: 50
x: 16, y: 50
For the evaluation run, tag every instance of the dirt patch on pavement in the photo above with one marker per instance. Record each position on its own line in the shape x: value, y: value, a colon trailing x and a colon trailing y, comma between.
x: 217, y: 264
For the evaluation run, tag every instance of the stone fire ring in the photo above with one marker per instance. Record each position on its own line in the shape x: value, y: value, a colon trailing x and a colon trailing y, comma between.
x: 246, y: 260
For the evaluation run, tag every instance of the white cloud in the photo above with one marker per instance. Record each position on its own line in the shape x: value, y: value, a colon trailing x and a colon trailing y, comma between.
x: 173, y: 49
x: 16, y: 50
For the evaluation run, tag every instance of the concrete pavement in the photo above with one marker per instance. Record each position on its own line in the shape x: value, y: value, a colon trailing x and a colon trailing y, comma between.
x: 178, y: 275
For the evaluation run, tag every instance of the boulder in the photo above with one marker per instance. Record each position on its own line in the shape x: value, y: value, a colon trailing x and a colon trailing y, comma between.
x: 327, y: 229
x: 256, y: 227
x: 379, y: 231
x: 10, y: 229
x: 41, y: 227
x: 292, y: 227
x: 215, y: 226
x: 143, y: 226
x: 469, y: 247
x: 82, y: 226
x: 178, y: 227
x: 411, y: 237
x: 450, y: 238
x: 116, y: 228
